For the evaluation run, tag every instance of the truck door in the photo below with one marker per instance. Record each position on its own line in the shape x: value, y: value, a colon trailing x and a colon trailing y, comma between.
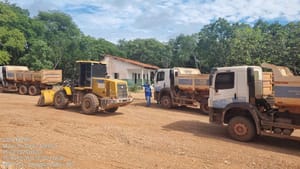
x: 223, y: 89
x: 161, y: 80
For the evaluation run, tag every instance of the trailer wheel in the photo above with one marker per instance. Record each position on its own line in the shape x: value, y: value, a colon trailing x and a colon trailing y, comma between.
x: 166, y: 102
x: 61, y: 100
x: 204, y: 108
x: 241, y: 129
x: 33, y: 90
x: 23, y: 90
x: 90, y: 104
x: 112, y: 110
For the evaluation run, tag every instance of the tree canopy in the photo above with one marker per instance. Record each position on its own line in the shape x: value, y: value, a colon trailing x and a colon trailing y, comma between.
x: 51, y: 40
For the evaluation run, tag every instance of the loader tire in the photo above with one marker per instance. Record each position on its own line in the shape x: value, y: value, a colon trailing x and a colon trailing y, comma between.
x: 61, y: 100
x: 112, y: 110
x: 90, y: 104
x: 23, y: 90
x: 33, y: 90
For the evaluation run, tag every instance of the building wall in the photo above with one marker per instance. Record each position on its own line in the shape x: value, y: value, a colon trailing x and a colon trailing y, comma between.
x: 127, y: 70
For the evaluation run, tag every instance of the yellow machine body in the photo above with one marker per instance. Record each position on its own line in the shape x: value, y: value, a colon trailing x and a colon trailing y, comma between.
x: 92, y: 79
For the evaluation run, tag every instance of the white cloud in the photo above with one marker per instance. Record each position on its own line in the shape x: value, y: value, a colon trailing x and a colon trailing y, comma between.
x: 161, y: 19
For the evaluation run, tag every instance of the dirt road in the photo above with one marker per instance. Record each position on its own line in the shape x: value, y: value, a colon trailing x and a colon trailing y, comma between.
x: 134, y: 137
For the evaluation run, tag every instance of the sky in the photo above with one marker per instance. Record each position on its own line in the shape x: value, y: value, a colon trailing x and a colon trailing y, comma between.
x: 161, y: 19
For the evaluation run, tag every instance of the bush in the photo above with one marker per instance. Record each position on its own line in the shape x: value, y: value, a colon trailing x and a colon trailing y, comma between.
x: 134, y: 88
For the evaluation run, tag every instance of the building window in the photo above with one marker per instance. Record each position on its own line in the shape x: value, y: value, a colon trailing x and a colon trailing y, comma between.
x: 116, y: 75
x: 224, y: 80
x: 139, y: 76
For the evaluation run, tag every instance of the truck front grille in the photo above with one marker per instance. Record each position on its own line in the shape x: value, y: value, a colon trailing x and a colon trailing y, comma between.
x: 122, y: 91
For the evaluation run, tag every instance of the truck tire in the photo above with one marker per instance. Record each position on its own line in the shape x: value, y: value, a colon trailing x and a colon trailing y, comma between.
x: 90, y: 104
x: 112, y: 110
x: 166, y: 102
x: 61, y: 100
x: 23, y: 90
x: 241, y: 128
x: 204, y: 109
x: 33, y: 90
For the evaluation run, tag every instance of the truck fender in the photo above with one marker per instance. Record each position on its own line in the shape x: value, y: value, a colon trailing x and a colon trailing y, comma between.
x: 68, y: 90
x: 242, y: 106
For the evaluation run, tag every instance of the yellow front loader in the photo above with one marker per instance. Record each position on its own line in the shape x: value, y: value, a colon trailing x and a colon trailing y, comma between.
x: 93, y: 91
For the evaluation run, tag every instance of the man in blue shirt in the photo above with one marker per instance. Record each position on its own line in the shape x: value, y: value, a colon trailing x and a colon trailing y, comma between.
x: 148, y: 93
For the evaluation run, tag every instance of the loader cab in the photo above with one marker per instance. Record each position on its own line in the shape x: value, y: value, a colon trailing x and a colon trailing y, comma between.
x: 88, y: 70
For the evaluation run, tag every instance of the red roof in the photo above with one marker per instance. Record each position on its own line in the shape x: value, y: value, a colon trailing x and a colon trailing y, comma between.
x: 144, y: 65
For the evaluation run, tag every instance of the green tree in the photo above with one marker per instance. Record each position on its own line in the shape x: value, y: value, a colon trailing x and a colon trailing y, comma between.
x: 274, y: 40
x: 146, y: 50
x: 12, y: 44
x: 293, y: 47
x: 213, y: 46
x: 244, y: 46
x: 39, y: 56
x: 62, y: 35
x: 183, y: 50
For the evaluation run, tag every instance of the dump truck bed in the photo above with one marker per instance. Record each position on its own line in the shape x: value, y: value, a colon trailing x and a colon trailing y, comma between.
x: 192, y: 82
x: 43, y: 76
x: 286, y: 88
x: 267, y: 84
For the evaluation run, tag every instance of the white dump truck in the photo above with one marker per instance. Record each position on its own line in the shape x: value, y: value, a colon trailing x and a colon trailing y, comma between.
x: 250, y: 103
x: 180, y: 86
x: 21, y: 79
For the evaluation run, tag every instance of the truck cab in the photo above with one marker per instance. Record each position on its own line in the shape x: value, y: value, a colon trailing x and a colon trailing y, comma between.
x: 162, y: 81
x: 238, y: 100
x: 181, y: 86
x: 232, y: 85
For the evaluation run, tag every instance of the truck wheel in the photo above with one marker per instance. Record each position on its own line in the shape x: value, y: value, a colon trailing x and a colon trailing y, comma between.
x: 33, y: 90
x: 112, y: 110
x: 241, y: 129
x: 90, y: 104
x: 23, y: 90
x: 204, y: 108
x: 61, y: 100
x: 166, y: 102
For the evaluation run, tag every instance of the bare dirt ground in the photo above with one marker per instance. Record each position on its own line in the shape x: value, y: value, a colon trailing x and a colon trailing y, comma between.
x: 134, y: 137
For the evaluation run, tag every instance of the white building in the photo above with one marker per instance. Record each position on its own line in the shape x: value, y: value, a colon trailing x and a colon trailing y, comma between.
x: 126, y: 69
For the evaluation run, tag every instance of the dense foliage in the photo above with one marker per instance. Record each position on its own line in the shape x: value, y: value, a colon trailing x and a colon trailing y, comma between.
x: 52, y: 40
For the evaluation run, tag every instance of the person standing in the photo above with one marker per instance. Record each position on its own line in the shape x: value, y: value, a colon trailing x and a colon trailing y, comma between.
x: 148, y: 93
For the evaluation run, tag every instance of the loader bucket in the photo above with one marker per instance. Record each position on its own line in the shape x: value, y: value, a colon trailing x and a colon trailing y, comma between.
x: 46, y: 98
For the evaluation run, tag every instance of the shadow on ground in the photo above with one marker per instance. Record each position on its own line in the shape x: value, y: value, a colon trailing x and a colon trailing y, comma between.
x: 202, y: 129
x: 77, y: 109
x: 181, y: 109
